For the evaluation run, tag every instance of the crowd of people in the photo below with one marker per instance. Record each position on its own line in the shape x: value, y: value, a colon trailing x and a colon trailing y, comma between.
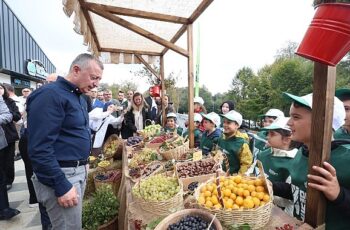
x: 78, y: 118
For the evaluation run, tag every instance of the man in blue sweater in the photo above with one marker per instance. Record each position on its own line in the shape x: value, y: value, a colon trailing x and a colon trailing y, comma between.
x: 59, y: 141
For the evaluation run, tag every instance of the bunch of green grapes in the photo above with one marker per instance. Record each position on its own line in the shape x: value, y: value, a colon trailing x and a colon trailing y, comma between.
x: 144, y: 157
x: 157, y: 188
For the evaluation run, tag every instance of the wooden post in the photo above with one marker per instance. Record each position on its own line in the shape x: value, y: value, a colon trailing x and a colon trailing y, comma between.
x: 321, y: 134
x: 162, y: 77
x: 190, y: 85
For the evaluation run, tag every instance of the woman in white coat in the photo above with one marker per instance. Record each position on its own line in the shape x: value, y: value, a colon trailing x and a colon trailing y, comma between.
x: 99, y: 122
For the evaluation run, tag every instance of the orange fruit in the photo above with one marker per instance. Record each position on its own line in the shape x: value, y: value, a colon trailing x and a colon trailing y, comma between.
x: 214, y: 200
x: 210, y: 187
x: 207, y: 193
x: 237, y: 179
x: 215, y: 192
x: 235, y: 206
x: 251, y: 188
x: 259, y: 189
x: 203, y: 189
x: 226, y: 182
x: 246, y: 193
x: 250, y: 182
x: 239, y: 200
x: 248, y: 203
x: 234, y: 190
x: 253, y: 194
x: 258, y: 182
x: 208, y: 204
x: 240, y: 192
x: 266, y: 198
x: 260, y: 195
x: 222, y: 179
x: 245, y: 186
x: 229, y: 203
x: 201, y: 200
x: 233, y: 196
x: 217, y: 206
x: 262, y: 203
x: 227, y: 192
x: 256, y: 202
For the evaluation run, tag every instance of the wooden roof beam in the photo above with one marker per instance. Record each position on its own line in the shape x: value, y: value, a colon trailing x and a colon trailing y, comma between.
x: 118, y: 20
x: 89, y: 22
x: 148, y: 66
x: 140, y: 52
x: 200, y: 9
x: 140, y: 13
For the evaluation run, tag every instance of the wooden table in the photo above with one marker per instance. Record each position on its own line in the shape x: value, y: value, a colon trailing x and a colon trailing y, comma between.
x: 278, y: 217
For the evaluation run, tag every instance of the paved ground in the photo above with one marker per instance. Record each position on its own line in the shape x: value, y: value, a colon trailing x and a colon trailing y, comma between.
x: 29, y: 218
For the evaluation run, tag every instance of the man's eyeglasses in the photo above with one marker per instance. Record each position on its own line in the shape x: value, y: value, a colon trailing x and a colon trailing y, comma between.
x: 107, y: 94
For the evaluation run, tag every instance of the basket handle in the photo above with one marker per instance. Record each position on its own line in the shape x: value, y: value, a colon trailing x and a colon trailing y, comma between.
x: 218, y: 188
x: 262, y: 173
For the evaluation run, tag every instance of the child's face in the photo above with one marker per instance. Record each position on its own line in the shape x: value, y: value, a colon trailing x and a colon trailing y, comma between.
x: 225, y: 108
x: 300, y: 124
x: 208, y: 125
x: 170, y: 123
x: 276, y: 140
x: 268, y: 121
x: 197, y: 106
x: 230, y: 126
x: 196, y: 124
x: 347, y: 112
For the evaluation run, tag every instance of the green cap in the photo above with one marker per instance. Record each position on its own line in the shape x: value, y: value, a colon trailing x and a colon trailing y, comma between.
x: 339, y: 93
x: 304, y: 100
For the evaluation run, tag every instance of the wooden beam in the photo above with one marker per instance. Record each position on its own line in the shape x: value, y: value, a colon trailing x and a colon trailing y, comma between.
x: 140, y: 14
x: 200, y: 9
x: 190, y: 85
x: 321, y: 136
x: 162, y: 78
x: 148, y: 66
x: 112, y: 50
x: 118, y: 20
x: 89, y: 22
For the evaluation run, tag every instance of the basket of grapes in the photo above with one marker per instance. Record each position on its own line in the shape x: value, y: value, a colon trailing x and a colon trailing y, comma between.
x: 174, y: 148
x: 110, y: 177
x: 190, y: 219
x: 113, y: 147
x: 159, y: 194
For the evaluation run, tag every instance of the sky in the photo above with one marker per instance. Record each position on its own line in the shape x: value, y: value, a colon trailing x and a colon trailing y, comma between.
x: 233, y: 34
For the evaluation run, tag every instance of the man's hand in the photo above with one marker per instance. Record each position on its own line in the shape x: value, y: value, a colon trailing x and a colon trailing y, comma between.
x: 111, y: 108
x: 69, y: 199
x: 327, y: 182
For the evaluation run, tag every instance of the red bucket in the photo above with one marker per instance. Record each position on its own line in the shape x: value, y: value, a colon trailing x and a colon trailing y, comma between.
x: 154, y: 91
x: 327, y: 39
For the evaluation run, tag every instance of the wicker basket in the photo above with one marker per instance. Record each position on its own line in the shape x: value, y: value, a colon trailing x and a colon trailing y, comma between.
x: 114, y: 182
x: 256, y: 218
x: 179, y: 153
x: 119, y: 148
x: 200, y: 178
x: 177, y: 216
x: 162, y: 208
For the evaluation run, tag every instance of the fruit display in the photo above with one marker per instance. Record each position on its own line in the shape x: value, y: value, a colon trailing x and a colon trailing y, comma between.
x: 193, y: 186
x: 151, y: 168
x: 151, y: 131
x: 236, y: 192
x: 190, y: 222
x: 93, y: 161
x: 110, y: 148
x: 169, y: 165
x: 196, y: 168
x: 144, y: 157
x: 172, y: 144
x: 156, y: 188
x: 134, y: 140
x: 104, y: 164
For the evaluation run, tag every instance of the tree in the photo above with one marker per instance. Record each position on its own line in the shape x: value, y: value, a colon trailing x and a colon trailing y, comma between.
x: 288, y: 51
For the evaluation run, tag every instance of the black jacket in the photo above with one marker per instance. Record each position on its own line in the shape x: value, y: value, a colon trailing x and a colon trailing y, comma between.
x: 128, y: 127
x: 10, y: 128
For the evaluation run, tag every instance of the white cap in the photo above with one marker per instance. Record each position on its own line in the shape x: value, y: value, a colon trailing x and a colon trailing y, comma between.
x: 198, y: 100
x: 338, y: 108
x: 197, y: 117
x: 213, y: 117
x: 279, y: 123
x: 233, y: 116
x: 171, y: 115
x: 274, y: 113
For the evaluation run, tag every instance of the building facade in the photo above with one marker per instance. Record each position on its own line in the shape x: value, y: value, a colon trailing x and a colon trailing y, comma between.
x: 22, y: 62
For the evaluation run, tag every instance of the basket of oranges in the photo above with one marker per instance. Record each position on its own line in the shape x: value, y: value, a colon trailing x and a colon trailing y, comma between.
x: 237, y: 199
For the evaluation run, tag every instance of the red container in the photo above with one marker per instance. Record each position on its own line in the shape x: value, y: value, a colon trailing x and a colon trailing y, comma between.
x: 327, y: 39
x: 154, y: 91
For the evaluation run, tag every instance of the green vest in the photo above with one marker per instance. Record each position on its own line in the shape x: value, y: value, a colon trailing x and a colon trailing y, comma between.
x: 208, y: 142
x: 340, y: 160
x: 260, y: 144
x: 277, y: 168
x: 197, y: 136
x: 231, y: 147
x: 178, y: 130
x: 341, y: 133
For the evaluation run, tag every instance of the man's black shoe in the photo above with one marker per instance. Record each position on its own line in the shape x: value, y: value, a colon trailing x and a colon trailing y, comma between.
x: 9, y: 186
x: 17, y: 157
x: 8, y: 213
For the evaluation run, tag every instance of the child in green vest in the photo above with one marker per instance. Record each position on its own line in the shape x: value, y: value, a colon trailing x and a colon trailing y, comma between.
x: 197, y: 132
x: 332, y: 179
x: 210, y: 137
x: 344, y: 131
x: 171, y: 125
x: 277, y: 158
x: 236, y: 148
